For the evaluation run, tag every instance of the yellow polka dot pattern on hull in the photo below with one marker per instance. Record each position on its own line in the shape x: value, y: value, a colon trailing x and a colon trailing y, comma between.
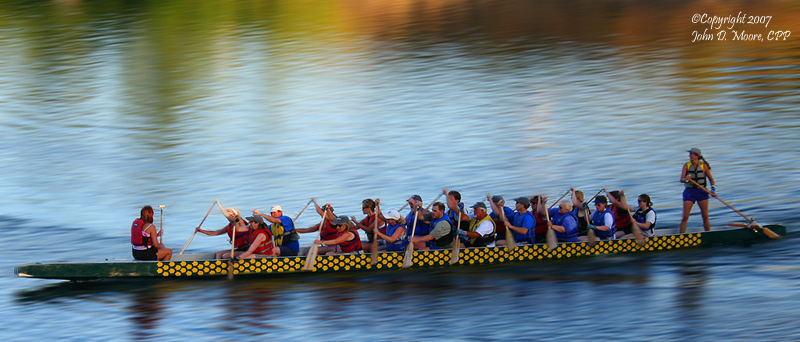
x: 434, y: 258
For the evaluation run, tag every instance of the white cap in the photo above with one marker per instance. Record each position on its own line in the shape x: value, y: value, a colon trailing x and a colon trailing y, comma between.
x: 275, y: 208
x: 392, y: 215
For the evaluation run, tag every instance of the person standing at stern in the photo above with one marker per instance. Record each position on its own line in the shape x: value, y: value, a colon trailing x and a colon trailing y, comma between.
x: 698, y: 170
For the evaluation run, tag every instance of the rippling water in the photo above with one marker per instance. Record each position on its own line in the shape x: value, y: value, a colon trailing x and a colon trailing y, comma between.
x: 107, y: 106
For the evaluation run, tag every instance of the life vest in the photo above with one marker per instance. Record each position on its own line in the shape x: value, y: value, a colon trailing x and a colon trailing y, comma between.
x: 499, y: 224
x: 242, y: 238
x: 265, y: 247
x: 352, y: 246
x: 282, y: 237
x: 454, y: 215
x: 401, y: 242
x: 622, y: 219
x: 138, y: 236
x: 582, y: 224
x: 483, y: 240
x: 369, y: 221
x: 541, y: 224
x: 570, y: 235
x: 697, y: 172
x: 641, y: 217
x: 328, y: 231
x: 519, y: 221
x: 598, y: 219
x: 445, y: 239
x: 422, y: 228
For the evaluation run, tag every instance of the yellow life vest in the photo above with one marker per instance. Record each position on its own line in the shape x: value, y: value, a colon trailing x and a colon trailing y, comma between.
x: 485, y: 239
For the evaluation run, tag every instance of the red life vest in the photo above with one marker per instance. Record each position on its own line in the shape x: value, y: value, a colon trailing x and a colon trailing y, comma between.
x: 265, y: 247
x: 369, y: 220
x: 541, y: 224
x: 137, y: 236
x: 353, y: 245
x: 241, y: 237
x: 622, y: 220
x: 328, y: 231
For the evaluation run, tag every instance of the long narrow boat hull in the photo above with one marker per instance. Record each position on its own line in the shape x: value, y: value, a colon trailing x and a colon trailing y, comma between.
x: 203, y: 265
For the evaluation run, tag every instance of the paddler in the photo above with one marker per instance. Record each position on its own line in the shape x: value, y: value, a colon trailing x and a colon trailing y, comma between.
x: 329, y: 232
x: 235, y: 222
x: 481, y: 231
x: 259, y: 238
x: 145, y: 245
x: 282, y: 228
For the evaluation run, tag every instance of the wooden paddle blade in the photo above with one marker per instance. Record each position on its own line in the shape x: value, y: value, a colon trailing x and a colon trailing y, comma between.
x: 592, y: 237
x: 638, y: 235
x: 456, y: 251
x: 770, y: 233
x: 407, y: 258
x: 510, y: 242
x: 552, y: 241
x: 311, y: 258
x: 230, y: 269
x: 373, y: 259
x: 187, y: 243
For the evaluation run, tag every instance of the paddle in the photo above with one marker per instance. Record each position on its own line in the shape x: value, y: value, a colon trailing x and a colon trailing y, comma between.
x: 233, y: 247
x: 311, y: 258
x: 592, y: 237
x: 403, y: 207
x: 559, y: 199
x: 510, y: 242
x: 753, y: 223
x: 410, y: 248
x: 552, y: 241
x: 637, y: 231
x: 766, y: 230
x: 301, y: 211
x: 161, y: 225
x: 200, y: 225
x: 456, y: 242
x: 432, y: 202
x: 374, y: 247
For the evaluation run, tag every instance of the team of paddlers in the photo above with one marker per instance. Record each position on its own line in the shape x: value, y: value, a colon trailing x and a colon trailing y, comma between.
x: 438, y: 225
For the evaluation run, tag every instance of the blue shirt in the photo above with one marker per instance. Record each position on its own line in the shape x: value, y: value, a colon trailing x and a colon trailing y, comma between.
x: 288, y: 225
x: 524, y: 221
x: 568, y: 221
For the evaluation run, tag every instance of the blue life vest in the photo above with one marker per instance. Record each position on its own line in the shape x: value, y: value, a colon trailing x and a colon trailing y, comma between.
x: 447, y: 238
x: 422, y: 228
x: 453, y: 215
x: 401, y: 242
x: 598, y: 219
x: 518, y: 220
x: 641, y: 216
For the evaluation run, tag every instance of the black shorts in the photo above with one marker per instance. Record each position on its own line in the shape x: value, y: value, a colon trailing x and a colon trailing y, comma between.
x: 147, y: 254
x: 287, y: 251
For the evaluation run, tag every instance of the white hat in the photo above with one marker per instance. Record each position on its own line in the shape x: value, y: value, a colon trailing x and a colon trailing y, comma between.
x: 392, y: 215
x: 275, y: 208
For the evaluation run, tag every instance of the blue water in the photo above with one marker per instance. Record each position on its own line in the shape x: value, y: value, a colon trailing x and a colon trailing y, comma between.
x: 108, y: 106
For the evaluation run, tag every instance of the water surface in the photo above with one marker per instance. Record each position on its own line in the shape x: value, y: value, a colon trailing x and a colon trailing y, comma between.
x: 106, y: 106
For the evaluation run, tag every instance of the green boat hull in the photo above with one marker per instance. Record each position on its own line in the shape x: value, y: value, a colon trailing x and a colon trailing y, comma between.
x: 199, y: 265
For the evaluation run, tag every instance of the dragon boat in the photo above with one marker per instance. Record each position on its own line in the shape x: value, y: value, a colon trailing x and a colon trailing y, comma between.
x: 204, y: 266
